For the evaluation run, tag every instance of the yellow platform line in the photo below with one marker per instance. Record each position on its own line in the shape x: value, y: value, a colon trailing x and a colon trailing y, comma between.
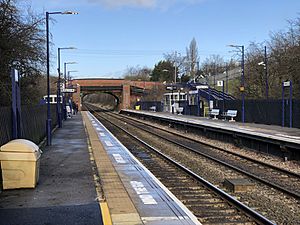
x: 105, y: 214
x: 106, y: 218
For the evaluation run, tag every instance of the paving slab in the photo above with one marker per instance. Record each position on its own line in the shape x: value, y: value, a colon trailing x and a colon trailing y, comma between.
x: 152, y: 202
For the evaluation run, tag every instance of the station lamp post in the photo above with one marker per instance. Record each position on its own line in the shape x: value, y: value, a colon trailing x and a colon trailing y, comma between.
x: 172, y: 88
x: 265, y: 65
x: 242, y: 86
x: 65, y: 71
x: 69, y: 74
x: 48, y: 122
x: 59, y: 116
x: 65, y: 84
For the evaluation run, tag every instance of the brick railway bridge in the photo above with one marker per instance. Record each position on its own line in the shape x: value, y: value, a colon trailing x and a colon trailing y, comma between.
x: 126, y: 92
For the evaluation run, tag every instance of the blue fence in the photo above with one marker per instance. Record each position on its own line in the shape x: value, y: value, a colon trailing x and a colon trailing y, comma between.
x: 33, y: 123
x: 256, y: 111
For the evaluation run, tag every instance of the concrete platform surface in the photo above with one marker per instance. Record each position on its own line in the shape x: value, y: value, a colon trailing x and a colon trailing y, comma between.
x: 65, y: 193
x: 154, y: 204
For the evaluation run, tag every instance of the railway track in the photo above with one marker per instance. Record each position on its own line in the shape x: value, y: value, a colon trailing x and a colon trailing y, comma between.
x: 210, y: 204
x: 280, y: 179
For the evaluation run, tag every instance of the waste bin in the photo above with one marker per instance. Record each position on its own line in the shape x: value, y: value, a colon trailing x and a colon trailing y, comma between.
x: 20, y: 162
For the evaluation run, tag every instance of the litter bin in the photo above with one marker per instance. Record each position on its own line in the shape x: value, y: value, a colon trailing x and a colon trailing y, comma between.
x: 20, y: 162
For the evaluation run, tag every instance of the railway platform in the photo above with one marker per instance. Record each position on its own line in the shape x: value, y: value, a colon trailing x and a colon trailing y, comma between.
x: 280, y: 141
x: 133, y: 194
x: 65, y: 193
x: 88, y: 177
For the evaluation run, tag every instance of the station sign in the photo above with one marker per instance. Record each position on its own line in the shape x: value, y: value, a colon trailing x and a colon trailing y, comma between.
x: 68, y: 90
x: 220, y: 83
x: 171, y: 88
x: 202, y: 87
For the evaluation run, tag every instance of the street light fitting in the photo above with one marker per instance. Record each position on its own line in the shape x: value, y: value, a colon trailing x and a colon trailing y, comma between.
x: 165, y: 70
x: 71, y: 63
x: 235, y: 46
x: 63, y: 13
x: 65, y: 48
x: 261, y: 63
x: 70, y: 13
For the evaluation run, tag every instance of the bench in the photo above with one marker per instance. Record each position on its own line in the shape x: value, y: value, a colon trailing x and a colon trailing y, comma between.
x: 214, y: 113
x: 153, y: 108
x: 230, y: 113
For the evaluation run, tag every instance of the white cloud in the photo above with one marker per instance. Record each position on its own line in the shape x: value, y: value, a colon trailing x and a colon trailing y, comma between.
x: 143, y: 3
x: 126, y: 3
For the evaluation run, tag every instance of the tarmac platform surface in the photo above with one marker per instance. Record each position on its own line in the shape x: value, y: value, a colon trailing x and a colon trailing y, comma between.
x: 88, y: 177
x: 65, y: 193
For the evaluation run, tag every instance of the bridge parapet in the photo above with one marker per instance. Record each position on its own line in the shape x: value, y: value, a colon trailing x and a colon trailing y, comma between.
x: 127, y: 91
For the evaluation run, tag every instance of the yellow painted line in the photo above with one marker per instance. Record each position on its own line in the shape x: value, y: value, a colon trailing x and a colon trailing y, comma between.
x: 106, y: 218
x: 105, y: 213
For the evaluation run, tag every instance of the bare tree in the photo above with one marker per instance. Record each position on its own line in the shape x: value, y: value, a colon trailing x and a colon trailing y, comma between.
x: 283, y: 58
x: 21, y: 47
x: 137, y: 73
x: 178, y: 61
x: 192, y: 59
x: 213, y: 65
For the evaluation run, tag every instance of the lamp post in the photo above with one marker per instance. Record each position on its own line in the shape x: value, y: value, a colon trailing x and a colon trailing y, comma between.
x: 58, y: 108
x: 242, y: 86
x: 201, y: 87
x: 265, y: 65
x: 48, y: 122
x: 69, y: 72
x: 65, y: 84
x: 175, y: 65
x: 172, y: 88
x: 69, y: 78
x: 221, y: 84
x: 226, y: 75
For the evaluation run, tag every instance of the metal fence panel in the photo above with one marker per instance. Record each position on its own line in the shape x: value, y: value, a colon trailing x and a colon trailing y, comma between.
x: 5, y: 125
x: 33, y: 123
x: 256, y: 111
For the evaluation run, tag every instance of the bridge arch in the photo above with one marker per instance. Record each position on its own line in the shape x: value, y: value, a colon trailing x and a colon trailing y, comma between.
x: 116, y: 97
x: 126, y: 92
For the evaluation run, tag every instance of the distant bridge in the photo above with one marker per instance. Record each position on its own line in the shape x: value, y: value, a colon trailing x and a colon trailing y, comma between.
x: 126, y: 92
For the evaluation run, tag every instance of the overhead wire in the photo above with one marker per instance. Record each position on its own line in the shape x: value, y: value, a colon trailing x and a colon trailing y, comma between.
x: 136, y: 53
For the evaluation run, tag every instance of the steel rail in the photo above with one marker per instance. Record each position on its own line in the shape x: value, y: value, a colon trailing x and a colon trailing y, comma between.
x: 276, y: 186
x: 247, y: 210
x: 216, y: 147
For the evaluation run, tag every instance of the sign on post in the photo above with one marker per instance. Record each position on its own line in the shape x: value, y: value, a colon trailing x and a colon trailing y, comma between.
x: 202, y: 87
x: 286, y: 83
x: 68, y: 90
x: 171, y: 88
x: 220, y: 83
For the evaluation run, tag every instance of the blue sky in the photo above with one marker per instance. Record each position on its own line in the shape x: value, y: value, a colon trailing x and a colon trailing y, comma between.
x: 111, y: 35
